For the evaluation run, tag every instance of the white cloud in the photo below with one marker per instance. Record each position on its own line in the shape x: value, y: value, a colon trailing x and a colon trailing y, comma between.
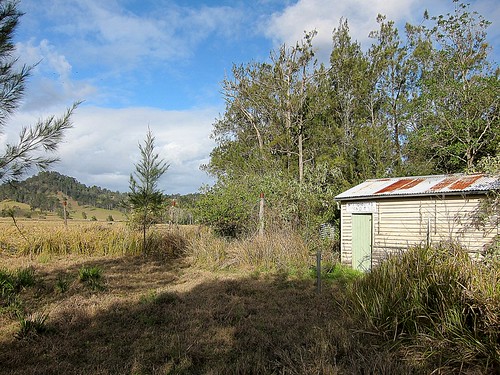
x: 288, y: 26
x: 102, y: 148
x: 108, y: 33
x: 324, y: 16
x: 51, y: 81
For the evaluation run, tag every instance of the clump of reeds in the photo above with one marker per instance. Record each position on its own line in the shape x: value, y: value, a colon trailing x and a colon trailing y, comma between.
x: 210, y: 251
x: 443, y: 306
x: 12, y: 282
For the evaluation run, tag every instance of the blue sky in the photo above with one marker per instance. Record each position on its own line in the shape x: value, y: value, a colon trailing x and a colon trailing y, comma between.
x: 159, y: 63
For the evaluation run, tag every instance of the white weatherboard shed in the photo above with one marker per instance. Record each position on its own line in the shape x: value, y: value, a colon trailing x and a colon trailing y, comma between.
x: 387, y: 215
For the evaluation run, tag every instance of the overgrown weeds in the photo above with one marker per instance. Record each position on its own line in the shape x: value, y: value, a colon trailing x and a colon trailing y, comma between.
x: 440, y: 305
x: 277, y: 252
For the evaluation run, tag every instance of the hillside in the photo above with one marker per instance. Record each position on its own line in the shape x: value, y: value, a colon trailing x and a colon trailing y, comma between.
x: 45, y: 191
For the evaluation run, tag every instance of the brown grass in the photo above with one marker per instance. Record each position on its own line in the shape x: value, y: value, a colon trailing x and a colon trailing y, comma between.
x: 166, y: 316
x: 194, y: 304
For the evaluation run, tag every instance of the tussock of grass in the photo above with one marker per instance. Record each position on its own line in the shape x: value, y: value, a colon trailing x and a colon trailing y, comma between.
x: 444, y: 307
x: 31, y: 325
x: 91, y: 276
x: 12, y: 282
x: 280, y: 251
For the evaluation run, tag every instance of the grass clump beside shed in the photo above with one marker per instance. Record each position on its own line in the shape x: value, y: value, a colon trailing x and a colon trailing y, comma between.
x: 436, y: 304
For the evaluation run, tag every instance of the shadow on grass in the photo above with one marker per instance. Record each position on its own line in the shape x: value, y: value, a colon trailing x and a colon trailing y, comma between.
x: 248, y: 325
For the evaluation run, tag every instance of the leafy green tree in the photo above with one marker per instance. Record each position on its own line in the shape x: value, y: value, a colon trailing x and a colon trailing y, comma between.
x: 145, y: 198
x: 424, y: 104
x: 228, y: 206
x: 458, y: 107
x: 17, y: 159
x: 266, y: 122
x: 393, y: 76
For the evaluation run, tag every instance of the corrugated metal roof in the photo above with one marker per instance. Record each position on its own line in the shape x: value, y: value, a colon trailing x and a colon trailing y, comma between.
x: 422, y: 185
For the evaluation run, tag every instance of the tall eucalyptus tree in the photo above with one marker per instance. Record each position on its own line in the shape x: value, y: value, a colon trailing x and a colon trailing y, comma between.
x: 460, y: 92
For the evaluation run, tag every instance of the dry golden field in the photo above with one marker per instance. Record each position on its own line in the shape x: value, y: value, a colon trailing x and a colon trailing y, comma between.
x: 164, y: 312
x: 85, y: 299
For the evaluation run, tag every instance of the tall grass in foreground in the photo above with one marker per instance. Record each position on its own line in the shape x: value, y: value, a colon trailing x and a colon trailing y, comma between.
x: 442, y: 306
x: 90, y: 240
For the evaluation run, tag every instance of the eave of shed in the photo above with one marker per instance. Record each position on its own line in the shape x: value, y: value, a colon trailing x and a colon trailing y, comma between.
x: 456, y: 184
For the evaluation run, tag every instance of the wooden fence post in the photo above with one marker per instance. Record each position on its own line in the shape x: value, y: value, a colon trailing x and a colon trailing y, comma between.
x: 261, y: 215
x: 64, y: 213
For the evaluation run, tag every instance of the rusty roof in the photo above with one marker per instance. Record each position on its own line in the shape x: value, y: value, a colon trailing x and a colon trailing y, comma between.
x: 422, y: 186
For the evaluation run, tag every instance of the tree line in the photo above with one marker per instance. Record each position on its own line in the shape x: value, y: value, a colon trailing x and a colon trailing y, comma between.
x: 418, y: 102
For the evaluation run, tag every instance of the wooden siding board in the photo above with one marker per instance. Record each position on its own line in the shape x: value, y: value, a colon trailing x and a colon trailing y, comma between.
x: 402, y: 222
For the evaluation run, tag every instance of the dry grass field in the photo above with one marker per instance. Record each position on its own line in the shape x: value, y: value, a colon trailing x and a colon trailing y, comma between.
x: 75, y: 213
x: 164, y: 314
x: 180, y: 310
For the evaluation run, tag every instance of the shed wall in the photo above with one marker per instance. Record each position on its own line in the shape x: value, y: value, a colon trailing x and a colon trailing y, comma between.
x: 402, y: 222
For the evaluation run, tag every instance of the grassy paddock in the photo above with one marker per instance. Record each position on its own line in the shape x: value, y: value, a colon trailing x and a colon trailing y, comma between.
x: 87, y: 297
x: 149, y: 316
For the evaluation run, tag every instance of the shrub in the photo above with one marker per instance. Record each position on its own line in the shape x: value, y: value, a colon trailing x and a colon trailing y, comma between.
x: 12, y: 282
x: 25, y: 277
x: 62, y: 283
x: 436, y: 301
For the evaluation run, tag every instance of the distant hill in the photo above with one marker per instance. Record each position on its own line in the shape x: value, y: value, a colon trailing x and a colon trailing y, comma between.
x: 47, y: 190
x: 44, y: 191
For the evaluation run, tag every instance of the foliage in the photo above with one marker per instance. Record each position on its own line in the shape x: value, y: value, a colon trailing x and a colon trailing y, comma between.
x: 231, y: 207
x: 19, y: 158
x: 340, y: 273
x: 62, y: 283
x: 145, y: 199
x: 458, y: 108
x: 12, y: 283
x: 91, y: 276
x: 31, y: 325
x: 437, y: 301
x: 227, y: 207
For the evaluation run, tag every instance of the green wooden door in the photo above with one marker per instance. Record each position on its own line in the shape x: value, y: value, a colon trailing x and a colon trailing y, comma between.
x: 362, y: 242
